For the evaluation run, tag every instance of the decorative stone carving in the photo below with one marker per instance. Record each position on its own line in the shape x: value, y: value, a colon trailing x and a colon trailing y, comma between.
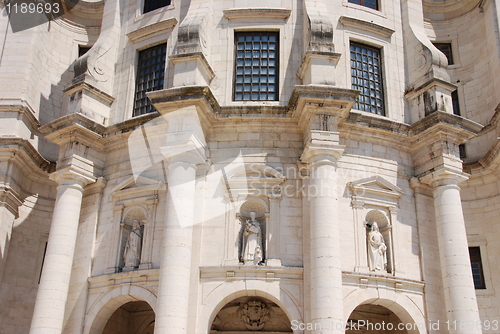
x: 132, y: 252
x: 377, y: 250
x: 255, y: 315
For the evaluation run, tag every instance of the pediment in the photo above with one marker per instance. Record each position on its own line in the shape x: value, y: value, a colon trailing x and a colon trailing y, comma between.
x: 375, y: 187
x: 254, y: 176
x: 254, y: 172
x: 137, y: 185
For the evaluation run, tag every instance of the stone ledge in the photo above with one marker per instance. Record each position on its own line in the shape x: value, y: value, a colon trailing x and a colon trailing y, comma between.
x: 382, y: 281
x: 152, y: 28
x: 124, y: 278
x: 239, y: 273
x: 268, y: 13
x: 366, y: 26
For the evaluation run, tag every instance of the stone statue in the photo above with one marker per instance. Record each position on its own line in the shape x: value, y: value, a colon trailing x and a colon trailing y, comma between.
x: 252, y: 236
x: 377, y: 256
x: 132, y: 252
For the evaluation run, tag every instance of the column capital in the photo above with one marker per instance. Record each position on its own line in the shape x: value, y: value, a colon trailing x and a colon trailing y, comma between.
x: 316, y: 154
x: 444, y: 177
x: 184, y: 147
x: 70, y: 175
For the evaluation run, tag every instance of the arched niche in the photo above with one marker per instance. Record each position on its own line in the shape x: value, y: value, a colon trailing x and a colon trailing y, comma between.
x: 252, y: 231
x: 375, y: 198
x: 385, y: 229
x: 252, y: 185
x: 249, y: 314
x: 134, y: 216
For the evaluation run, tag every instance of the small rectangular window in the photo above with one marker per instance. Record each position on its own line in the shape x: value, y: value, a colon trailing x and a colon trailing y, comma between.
x: 373, y: 4
x: 446, y: 49
x: 455, y: 103
x: 477, y: 267
x: 83, y: 50
x: 256, y: 66
x: 461, y: 151
x: 150, y: 77
x: 150, y: 5
x: 366, y: 76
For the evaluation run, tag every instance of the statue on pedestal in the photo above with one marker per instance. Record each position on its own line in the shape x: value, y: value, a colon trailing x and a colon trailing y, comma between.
x: 377, y: 255
x: 132, y: 252
x: 252, y: 237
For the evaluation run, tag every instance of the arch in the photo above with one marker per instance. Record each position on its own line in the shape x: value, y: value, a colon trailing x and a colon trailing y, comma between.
x: 134, y: 208
x: 105, y: 305
x: 398, y: 303
x: 226, y: 292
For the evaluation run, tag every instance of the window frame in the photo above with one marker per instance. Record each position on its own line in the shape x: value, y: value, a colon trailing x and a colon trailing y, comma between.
x: 438, y: 45
x: 381, y: 66
x: 235, y: 65
x: 138, y: 68
x: 145, y: 2
x: 478, y: 261
x: 361, y: 3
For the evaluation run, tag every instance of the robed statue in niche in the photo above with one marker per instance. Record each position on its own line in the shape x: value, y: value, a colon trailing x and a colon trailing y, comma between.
x: 252, y: 252
x: 132, y: 252
x: 377, y: 250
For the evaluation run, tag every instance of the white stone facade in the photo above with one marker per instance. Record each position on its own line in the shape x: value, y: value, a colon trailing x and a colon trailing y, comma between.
x: 111, y: 223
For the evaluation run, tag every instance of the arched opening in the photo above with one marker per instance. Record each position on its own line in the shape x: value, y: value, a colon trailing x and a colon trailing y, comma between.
x: 131, y: 318
x: 375, y: 319
x: 250, y: 314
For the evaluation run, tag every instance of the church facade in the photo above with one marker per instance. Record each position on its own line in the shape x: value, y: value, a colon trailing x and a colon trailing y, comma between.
x: 269, y: 166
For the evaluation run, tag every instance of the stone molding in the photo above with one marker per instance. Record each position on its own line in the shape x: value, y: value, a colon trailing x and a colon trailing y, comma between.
x: 435, y: 82
x: 199, y: 58
x: 366, y: 26
x: 73, y: 174
x: 310, y: 55
x: 259, y: 12
x: 146, y: 31
x: 381, y: 281
x: 260, y: 273
x: 22, y: 107
x: 73, y: 126
x: 463, y: 128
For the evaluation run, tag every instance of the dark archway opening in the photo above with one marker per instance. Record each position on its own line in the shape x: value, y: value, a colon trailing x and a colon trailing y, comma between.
x: 374, y: 319
x: 131, y: 318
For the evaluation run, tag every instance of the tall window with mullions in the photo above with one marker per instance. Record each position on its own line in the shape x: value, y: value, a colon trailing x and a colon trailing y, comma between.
x: 256, y: 66
x: 150, y: 76
x: 366, y: 76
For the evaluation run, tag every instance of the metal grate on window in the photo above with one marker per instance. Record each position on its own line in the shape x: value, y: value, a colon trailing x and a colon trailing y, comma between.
x: 366, y: 76
x: 477, y: 267
x: 256, y: 66
x: 367, y: 3
x: 150, y: 76
x: 446, y: 49
x: 150, y: 5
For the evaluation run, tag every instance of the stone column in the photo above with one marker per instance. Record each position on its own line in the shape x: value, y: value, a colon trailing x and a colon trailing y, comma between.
x: 175, y: 271
x: 326, y: 273
x: 48, y: 316
x: 458, y: 286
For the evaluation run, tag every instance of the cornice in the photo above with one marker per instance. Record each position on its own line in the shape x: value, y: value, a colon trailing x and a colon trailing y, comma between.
x: 463, y: 127
x: 366, y: 26
x: 22, y: 107
x: 148, y: 30
x: 22, y: 148
x: 63, y: 129
x: 261, y: 12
